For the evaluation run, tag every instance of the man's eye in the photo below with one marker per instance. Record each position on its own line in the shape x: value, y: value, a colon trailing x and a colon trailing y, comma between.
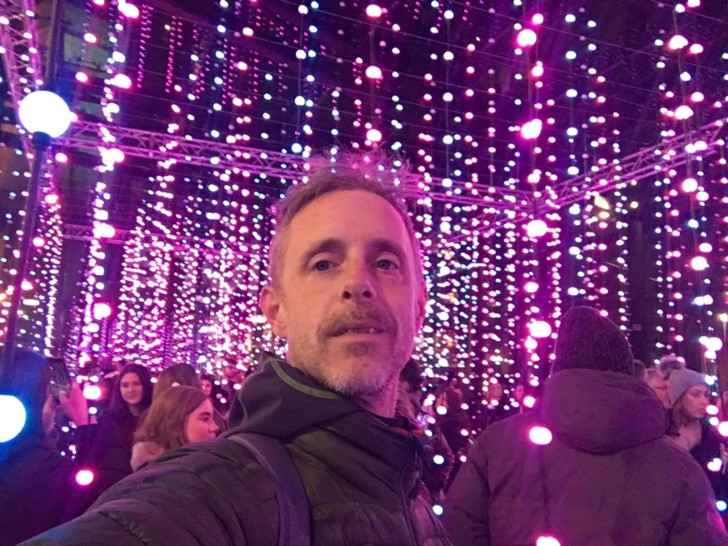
x: 322, y: 265
x: 386, y: 265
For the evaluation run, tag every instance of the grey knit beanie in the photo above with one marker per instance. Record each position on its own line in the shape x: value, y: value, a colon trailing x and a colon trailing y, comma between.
x: 588, y: 340
x: 680, y: 381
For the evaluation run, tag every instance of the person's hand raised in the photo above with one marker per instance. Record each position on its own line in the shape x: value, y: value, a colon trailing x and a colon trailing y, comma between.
x: 74, y: 405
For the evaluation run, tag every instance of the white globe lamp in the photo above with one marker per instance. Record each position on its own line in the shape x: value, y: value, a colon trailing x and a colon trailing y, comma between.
x: 44, y: 112
x: 14, y: 416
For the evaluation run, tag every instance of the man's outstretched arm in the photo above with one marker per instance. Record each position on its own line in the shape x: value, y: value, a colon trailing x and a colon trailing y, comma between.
x: 213, y: 493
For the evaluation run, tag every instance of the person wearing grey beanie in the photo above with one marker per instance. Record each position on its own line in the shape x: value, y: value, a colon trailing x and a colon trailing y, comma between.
x: 689, y: 396
x: 682, y: 380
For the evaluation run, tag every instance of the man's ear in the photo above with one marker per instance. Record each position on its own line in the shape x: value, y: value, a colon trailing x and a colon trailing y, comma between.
x: 270, y: 304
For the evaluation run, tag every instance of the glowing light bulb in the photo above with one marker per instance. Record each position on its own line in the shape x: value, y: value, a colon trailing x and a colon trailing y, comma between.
x: 689, y: 185
x: 723, y: 429
x: 92, y: 392
x: 699, y: 263
x: 121, y: 80
x: 683, y: 112
x: 44, y: 112
x: 539, y: 329
x: 129, y: 10
x: 374, y: 11
x: 536, y: 228
x: 714, y: 344
x: 529, y: 401
x: 715, y: 465
x: 374, y: 73
x: 526, y: 38
x: 678, y: 41
x: 531, y: 129
x: 101, y: 311
x: 531, y: 287
x: 85, y: 477
x: 14, y: 416
x: 541, y: 436
x: 374, y: 135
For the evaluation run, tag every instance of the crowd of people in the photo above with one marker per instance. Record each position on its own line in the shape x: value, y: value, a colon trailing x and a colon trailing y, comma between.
x: 339, y: 444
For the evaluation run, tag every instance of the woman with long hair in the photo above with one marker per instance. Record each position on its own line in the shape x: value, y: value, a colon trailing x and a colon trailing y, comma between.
x: 179, y: 416
x: 106, y: 446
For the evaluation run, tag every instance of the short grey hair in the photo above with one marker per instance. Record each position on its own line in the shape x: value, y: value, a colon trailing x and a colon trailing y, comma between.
x: 350, y: 172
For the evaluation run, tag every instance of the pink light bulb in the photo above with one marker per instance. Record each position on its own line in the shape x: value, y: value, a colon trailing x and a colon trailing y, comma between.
x: 541, y: 436
x: 723, y: 429
x: 699, y: 263
x: 689, y: 185
x: 374, y: 135
x: 677, y: 42
x: 92, y: 392
x: 374, y: 11
x: 539, y: 329
x: 531, y: 129
x: 531, y: 287
x: 526, y: 38
x: 129, y: 10
x: 547, y: 540
x: 84, y: 477
x: 101, y: 311
x: 536, y: 228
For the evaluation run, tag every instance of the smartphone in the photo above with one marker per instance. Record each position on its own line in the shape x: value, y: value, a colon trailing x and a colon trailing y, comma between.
x: 60, y: 378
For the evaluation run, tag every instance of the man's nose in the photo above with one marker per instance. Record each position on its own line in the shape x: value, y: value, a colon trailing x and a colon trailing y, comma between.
x: 358, y: 283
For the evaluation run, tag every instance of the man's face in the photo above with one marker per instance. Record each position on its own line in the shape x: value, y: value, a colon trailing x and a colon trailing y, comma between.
x: 348, y: 302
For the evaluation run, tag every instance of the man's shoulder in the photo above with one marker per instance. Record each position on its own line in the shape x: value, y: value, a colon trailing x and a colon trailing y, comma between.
x: 218, y: 453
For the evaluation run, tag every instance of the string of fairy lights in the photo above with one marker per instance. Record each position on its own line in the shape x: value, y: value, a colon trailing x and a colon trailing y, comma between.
x: 524, y: 103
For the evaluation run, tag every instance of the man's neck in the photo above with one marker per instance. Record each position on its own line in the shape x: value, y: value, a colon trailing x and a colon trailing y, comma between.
x: 382, y: 403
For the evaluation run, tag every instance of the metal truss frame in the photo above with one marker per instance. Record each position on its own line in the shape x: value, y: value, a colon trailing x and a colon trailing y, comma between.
x: 642, y: 164
x: 499, y: 205
x: 163, y: 147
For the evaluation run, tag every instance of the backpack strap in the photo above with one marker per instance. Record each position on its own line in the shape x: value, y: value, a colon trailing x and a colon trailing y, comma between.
x: 293, y: 507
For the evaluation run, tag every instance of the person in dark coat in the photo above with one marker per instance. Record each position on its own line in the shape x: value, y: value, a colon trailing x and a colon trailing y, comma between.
x: 38, y: 487
x: 689, y: 426
x: 591, y: 467
x: 348, y: 294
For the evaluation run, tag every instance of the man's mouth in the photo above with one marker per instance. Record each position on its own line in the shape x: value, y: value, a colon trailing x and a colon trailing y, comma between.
x: 357, y: 330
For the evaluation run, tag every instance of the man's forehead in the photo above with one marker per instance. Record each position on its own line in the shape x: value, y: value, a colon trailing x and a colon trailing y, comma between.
x: 349, y: 213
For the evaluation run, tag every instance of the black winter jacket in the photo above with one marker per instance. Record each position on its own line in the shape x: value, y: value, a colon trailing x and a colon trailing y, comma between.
x: 361, y: 475
x: 608, y: 477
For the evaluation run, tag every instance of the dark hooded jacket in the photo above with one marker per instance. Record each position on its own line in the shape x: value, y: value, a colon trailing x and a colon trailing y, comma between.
x: 608, y: 477
x: 360, y: 472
